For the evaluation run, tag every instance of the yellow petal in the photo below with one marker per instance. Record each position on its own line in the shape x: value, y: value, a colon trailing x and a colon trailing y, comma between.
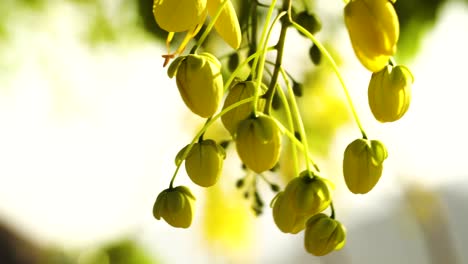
x: 179, y: 15
x: 227, y: 24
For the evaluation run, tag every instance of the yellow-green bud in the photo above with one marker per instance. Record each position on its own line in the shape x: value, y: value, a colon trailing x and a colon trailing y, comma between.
x: 286, y: 219
x: 199, y: 81
x: 180, y: 15
x: 175, y: 206
x: 374, y: 30
x: 238, y: 92
x: 258, y: 142
x: 308, y: 194
x: 204, y: 162
x: 390, y: 93
x: 227, y: 24
x: 323, y: 235
x: 363, y: 164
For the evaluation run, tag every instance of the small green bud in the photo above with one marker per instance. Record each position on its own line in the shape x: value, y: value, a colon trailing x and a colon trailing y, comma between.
x: 297, y: 135
x: 258, y: 142
x: 298, y: 89
x: 225, y: 144
x: 199, y: 81
x: 233, y: 61
x: 175, y: 206
x: 276, y: 103
x: 179, y: 16
x: 309, y: 22
x: 389, y: 93
x: 274, y: 187
x: 240, y: 183
x: 308, y: 195
x: 204, y: 162
x: 323, y: 235
x: 285, y: 217
x: 374, y: 30
x: 315, y: 54
x: 363, y: 164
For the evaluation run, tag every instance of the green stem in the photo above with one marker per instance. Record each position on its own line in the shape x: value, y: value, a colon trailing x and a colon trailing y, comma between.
x: 202, y: 131
x: 279, y: 60
x: 297, y: 115
x: 262, y: 38
x: 253, y: 29
x: 244, y: 63
x: 291, y: 126
x: 296, y: 142
x: 262, y: 59
x: 324, y: 51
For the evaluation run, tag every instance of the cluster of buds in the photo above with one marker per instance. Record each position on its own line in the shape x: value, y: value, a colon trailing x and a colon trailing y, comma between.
x: 373, y: 29
x: 299, y: 207
x: 247, y: 113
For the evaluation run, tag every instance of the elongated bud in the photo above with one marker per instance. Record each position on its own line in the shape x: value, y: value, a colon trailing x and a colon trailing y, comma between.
x: 374, y: 30
x: 389, y: 93
x: 286, y: 219
x: 258, y: 142
x: 199, y: 81
x: 238, y: 92
x: 323, y: 235
x: 308, y: 194
x: 227, y: 24
x: 180, y: 15
x: 363, y: 164
x: 175, y: 206
x: 204, y: 162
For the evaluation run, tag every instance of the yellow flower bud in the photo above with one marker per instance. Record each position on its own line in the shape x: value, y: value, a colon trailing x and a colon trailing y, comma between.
x: 363, y: 164
x: 323, y: 235
x: 374, y: 30
x: 238, y: 92
x: 258, y: 142
x: 199, y: 81
x: 204, y: 162
x: 308, y: 194
x: 286, y: 219
x: 227, y: 24
x: 389, y: 93
x: 175, y: 206
x: 180, y: 15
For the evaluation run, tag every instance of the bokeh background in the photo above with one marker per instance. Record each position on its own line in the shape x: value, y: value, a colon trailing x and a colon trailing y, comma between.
x: 90, y: 125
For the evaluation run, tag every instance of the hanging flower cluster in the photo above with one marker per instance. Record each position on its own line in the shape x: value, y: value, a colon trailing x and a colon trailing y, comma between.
x: 247, y: 109
x: 374, y: 30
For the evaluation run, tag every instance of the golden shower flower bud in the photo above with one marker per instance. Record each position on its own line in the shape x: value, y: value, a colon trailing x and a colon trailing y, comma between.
x: 323, y: 235
x: 180, y: 15
x: 285, y: 217
x: 227, y: 24
x: 374, y: 30
x: 308, y: 194
x: 258, y: 142
x: 204, y: 162
x: 199, y: 81
x: 238, y: 92
x: 175, y: 206
x: 389, y: 93
x: 363, y: 164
